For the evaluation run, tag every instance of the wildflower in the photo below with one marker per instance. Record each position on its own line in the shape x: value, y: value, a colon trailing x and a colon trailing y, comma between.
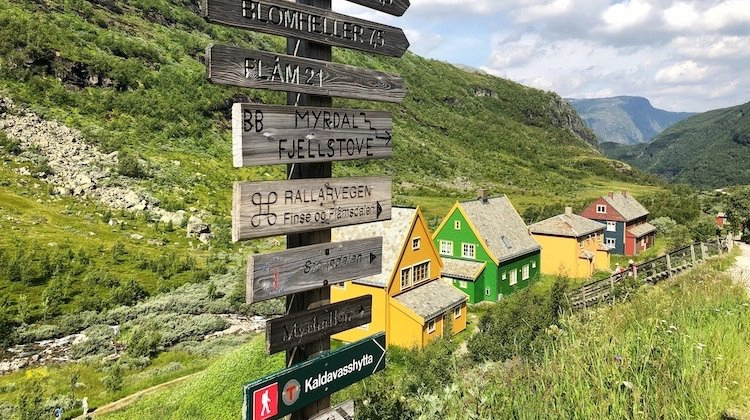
x: 626, y: 385
x: 700, y: 346
x: 672, y: 327
x: 735, y: 383
x: 618, y: 358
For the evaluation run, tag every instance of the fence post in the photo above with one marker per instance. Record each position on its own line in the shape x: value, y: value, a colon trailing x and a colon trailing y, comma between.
x: 612, y: 288
x: 692, y: 253
x: 703, y: 251
x: 718, y: 245
x: 669, y: 266
x: 584, y: 298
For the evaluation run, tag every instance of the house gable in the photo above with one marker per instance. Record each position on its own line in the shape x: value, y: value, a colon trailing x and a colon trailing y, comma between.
x: 411, y: 258
x: 467, y: 233
x: 610, y: 213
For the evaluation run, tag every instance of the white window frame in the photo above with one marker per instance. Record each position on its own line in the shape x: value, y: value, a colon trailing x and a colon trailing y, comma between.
x: 525, y: 272
x: 462, y: 284
x: 504, y: 275
x: 611, y: 226
x: 409, y: 277
x: 610, y: 241
x: 457, y: 224
x: 533, y: 264
x: 601, y: 209
x: 416, y: 243
x: 431, y: 326
x: 467, y: 245
x: 457, y: 312
x: 414, y: 272
x: 446, y: 247
x: 513, y: 277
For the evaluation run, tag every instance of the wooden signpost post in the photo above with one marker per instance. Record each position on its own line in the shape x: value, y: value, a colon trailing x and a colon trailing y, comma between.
x: 267, y: 134
x: 306, y: 327
x: 308, y: 137
x: 271, y: 208
x: 306, y: 268
x: 265, y: 70
x: 298, y: 386
x: 280, y: 17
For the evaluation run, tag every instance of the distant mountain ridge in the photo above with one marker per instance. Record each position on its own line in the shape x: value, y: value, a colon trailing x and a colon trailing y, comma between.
x: 707, y: 150
x: 625, y: 119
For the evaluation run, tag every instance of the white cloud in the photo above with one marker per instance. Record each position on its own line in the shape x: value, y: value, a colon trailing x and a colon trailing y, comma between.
x: 625, y: 15
x: 544, y: 10
x: 683, y: 72
x: 422, y: 42
x: 681, y: 16
x: 713, y: 47
x: 728, y: 13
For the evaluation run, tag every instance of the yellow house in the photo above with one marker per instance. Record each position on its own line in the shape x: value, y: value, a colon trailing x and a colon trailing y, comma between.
x: 410, y: 302
x: 572, y: 245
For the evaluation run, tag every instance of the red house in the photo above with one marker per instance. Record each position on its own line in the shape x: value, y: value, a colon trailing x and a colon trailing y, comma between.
x: 721, y: 220
x: 628, y: 231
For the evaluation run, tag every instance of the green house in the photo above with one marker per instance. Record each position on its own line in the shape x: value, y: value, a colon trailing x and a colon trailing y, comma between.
x: 486, y: 248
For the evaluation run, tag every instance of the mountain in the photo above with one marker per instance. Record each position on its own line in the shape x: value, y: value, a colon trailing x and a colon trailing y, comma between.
x: 625, y: 119
x: 708, y: 150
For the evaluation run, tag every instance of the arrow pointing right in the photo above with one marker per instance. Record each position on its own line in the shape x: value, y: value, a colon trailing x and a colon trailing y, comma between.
x: 382, y: 355
x: 372, y: 257
x: 379, y: 209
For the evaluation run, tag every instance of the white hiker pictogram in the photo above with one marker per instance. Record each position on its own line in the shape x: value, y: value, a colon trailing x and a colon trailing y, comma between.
x: 265, y: 400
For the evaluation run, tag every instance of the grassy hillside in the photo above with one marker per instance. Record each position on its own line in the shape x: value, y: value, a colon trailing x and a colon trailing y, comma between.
x: 708, y: 150
x: 625, y: 119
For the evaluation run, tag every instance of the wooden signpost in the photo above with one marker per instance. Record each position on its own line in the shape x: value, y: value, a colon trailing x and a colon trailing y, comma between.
x: 296, y: 387
x: 306, y: 327
x: 271, y: 208
x: 343, y: 411
x: 265, y: 70
x: 392, y: 7
x: 268, y: 134
x: 280, y: 17
x: 306, y: 268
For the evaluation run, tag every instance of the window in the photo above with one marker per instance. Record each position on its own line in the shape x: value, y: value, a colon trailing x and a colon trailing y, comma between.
x: 601, y: 208
x: 533, y: 264
x: 525, y: 272
x: 505, y: 275
x: 416, y: 243
x: 457, y: 225
x: 421, y: 272
x: 611, y: 241
x: 431, y: 326
x: 611, y: 226
x: 487, y: 291
x: 513, y: 277
x: 457, y: 312
x: 468, y: 251
x: 405, y: 278
x: 446, y: 247
x: 462, y: 284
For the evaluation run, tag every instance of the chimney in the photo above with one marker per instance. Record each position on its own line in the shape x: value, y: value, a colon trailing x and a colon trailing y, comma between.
x: 611, y: 195
x: 483, y: 195
x: 569, y: 211
x: 624, y: 193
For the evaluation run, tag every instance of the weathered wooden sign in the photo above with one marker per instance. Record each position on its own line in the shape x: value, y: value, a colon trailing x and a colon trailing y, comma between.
x: 267, y: 134
x: 306, y: 327
x: 392, y: 7
x: 296, y: 387
x: 306, y: 268
x: 265, y: 70
x: 271, y: 208
x: 343, y: 411
x: 280, y: 17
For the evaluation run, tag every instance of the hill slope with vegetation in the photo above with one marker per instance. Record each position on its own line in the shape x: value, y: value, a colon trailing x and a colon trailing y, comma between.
x: 625, y: 119
x: 708, y: 150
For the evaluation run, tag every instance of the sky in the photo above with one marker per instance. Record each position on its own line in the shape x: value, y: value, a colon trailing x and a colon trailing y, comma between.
x: 682, y: 55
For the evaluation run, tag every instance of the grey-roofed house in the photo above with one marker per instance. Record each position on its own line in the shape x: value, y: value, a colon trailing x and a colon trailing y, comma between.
x: 410, y: 302
x: 572, y: 245
x: 487, y: 249
x: 627, y: 231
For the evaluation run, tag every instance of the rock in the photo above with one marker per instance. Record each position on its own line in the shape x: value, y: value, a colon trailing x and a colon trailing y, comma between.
x: 196, y: 228
x: 111, y: 222
x: 176, y: 163
x: 136, y: 236
x: 23, y: 171
x: 52, y: 244
x: 156, y: 242
x: 61, y: 191
x: 205, y: 237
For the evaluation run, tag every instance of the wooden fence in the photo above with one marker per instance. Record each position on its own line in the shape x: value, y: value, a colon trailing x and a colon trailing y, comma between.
x: 652, y: 271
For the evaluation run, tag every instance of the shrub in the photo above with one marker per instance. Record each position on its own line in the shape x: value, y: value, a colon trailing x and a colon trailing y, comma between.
x: 100, y: 340
x: 30, y: 402
x: 129, y: 165
x: 143, y: 342
x: 129, y: 293
x: 114, y: 378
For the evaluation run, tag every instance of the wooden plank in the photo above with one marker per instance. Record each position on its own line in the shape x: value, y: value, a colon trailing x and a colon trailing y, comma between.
x: 310, y: 267
x: 262, y: 209
x: 306, y: 327
x: 268, y: 134
x: 280, y: 17
x: 343, y: 411
x: 266, y: 70
x: 392, y: 7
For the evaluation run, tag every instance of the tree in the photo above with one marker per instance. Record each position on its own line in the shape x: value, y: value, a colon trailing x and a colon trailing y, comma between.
x: 30, y: 402
x: 129, y: 293
x: 128, y: 165
x: 738, y: 206
x: 113, y: 380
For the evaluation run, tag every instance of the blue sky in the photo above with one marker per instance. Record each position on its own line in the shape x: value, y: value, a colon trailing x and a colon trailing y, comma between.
x: 682, y: 55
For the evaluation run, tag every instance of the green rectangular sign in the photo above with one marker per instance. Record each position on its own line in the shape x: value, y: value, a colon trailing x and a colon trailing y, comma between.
x: 296, y: 387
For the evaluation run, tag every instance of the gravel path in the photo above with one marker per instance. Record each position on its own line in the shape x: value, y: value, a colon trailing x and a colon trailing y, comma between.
x: 741, y: 268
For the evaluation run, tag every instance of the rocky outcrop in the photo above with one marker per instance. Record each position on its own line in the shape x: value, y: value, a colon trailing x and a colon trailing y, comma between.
x: 80, y: 169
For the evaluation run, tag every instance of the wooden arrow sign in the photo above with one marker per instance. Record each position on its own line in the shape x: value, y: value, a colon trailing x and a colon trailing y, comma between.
x: 306, y: 327
x: 267, y: 134
x: 264, y: 70
x: 306, y: 268
x: 283, y: 18
x: 392, y: 7
x: 262, y: 209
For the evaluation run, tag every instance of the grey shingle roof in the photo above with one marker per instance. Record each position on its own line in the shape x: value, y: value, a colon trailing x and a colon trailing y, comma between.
x: 431, y: 299
x: 626, y: 205
x: 586, y: 255
x: 394, y: 233
x: 641, y: 229
x: 571, y: 225
x: 462, y: 269
x: 501, y: 227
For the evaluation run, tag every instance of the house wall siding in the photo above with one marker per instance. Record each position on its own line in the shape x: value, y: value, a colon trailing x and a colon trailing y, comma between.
x: 504, y: 287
